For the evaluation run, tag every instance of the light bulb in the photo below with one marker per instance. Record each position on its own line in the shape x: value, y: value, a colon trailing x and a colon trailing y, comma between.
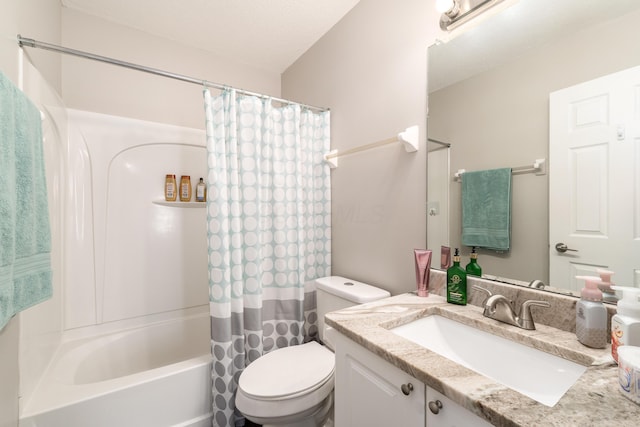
x: 443, y: 6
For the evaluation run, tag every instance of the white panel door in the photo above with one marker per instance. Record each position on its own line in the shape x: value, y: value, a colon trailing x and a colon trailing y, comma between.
x: 594, y: 180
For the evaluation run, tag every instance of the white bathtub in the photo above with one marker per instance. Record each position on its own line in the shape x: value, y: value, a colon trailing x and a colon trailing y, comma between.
x: 152, y: 374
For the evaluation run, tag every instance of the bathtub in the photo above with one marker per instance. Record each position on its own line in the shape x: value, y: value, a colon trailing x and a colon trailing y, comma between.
x: 146, y: 372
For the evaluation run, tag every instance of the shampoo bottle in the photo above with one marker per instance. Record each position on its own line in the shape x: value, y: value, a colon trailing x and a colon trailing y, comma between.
x: 625, y: 324
x: 170, y: 190
x: 185, y: 188
x: 456, y: 282
x: 591, y: 315
x: 473, y: 268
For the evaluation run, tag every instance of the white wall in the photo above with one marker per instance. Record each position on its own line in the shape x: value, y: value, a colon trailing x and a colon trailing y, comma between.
x: 371, y: 69
x: 9, y: 374
x: 31, y: 18
x: 104, y: 88
x: 39, y: 19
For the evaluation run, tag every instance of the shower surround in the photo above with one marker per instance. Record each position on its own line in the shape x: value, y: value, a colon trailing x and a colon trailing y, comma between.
x: 135, y: 279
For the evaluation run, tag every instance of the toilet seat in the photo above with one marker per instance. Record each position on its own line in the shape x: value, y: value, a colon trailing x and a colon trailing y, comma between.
x: 288, y: 372
x: 288, y: 381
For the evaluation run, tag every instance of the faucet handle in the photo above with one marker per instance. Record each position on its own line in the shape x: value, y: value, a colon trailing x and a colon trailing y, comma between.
x: 480, y: 288
x: 538, y: 284
x: 525, y: 313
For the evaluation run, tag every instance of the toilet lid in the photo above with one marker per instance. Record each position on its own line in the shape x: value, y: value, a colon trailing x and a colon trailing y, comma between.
x: 288, y: 371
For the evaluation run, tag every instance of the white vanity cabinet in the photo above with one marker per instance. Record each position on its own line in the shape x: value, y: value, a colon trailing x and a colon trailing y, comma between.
x: 444, y: 412
x: 369, y: 391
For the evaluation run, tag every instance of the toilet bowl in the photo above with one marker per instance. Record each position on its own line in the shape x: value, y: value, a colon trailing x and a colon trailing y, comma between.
x: 288, y: 385
x: 293, y: 386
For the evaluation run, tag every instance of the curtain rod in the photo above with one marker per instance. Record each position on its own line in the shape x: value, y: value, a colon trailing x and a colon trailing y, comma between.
x: 23, y: 41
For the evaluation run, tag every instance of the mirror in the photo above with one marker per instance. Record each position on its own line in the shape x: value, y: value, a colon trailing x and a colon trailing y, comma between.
x: 489, y: 89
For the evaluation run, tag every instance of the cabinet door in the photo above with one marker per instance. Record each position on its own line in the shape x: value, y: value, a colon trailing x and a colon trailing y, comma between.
x: 369, y: 390
x: 444, y: 412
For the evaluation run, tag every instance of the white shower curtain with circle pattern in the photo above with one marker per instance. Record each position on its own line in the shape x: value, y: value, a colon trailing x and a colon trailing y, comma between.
x: 268, y: 228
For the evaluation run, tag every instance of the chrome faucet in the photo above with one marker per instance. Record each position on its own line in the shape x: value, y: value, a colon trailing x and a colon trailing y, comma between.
x: 498, y: 307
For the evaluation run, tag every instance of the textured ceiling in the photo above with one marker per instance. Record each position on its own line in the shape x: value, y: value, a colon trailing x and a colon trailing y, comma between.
x: 267, y: 34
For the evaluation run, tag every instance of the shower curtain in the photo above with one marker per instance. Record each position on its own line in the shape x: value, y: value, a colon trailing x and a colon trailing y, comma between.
x: 268, y: 229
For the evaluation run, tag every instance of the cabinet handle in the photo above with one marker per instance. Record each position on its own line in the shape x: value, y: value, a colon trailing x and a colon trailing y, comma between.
x: 435, y: 406
x: 406, y: 389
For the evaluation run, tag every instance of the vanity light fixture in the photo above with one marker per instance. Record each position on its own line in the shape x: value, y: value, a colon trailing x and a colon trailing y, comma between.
x: 450, y: 7
x: 457, y: 12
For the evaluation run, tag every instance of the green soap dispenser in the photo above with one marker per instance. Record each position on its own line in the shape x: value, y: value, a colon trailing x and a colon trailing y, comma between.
x: 456, y: 282
x: 473, y: 268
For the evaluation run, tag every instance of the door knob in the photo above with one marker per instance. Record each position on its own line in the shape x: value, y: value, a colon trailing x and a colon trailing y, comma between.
x: 562, y: 248
x: 435, y: 406
x: 406, y: 389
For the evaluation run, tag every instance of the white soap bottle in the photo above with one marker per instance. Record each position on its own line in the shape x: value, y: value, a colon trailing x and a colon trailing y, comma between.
x: 625, y: 324
x: 591, y: 315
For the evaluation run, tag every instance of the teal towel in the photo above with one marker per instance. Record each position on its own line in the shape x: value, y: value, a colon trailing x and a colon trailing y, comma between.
x: 486, y: 209
x: 25, y: 236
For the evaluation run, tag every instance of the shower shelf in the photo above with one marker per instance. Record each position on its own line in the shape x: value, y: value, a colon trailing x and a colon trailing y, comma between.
x: 178, y: 204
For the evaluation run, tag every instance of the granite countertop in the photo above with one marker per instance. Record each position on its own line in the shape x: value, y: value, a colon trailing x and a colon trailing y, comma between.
x: 594, y: 400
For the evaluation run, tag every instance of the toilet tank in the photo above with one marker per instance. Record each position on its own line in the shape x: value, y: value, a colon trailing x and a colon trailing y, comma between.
x: 335, y: 293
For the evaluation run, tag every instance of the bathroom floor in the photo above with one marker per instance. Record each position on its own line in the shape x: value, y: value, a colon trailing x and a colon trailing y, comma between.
x: 248, y: 423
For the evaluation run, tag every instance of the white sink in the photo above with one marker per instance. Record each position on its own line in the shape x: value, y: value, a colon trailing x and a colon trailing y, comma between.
x: 534, y: 373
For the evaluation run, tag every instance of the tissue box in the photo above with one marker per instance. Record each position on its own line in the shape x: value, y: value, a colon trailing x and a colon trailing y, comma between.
x: 629, y: 372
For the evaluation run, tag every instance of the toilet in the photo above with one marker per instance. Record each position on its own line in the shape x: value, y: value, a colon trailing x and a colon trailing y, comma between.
x: 293, y: 386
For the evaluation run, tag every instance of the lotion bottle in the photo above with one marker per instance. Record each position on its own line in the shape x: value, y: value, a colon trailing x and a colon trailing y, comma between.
x: 625, y: 324
x: 608, y: 294
x: 456, y: 282
x: 423, y: 269
x: 591, y: 314
x: 445, y: 257
x: 201, y: 191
